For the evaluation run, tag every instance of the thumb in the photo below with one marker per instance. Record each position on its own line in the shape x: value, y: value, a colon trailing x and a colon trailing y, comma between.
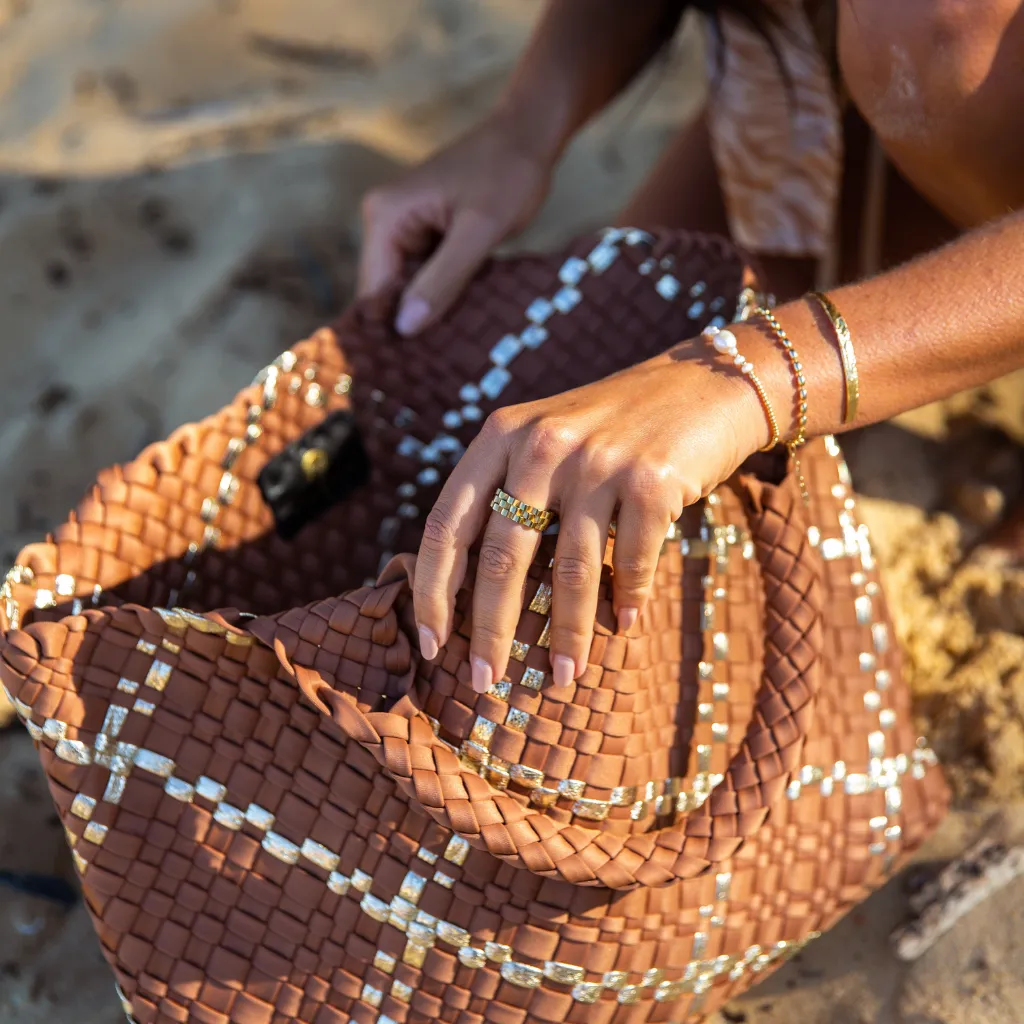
x: 443, y: 277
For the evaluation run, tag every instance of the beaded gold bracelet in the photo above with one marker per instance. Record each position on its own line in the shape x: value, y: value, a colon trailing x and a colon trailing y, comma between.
x: 724, y: 341
x: 798, y: 374
x: 800, y: 438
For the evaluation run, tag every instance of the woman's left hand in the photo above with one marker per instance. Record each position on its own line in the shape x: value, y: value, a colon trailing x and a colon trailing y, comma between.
x: 635, y: 448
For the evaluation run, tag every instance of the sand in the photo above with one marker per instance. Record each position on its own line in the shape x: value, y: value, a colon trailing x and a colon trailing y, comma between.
x: 179, y: 189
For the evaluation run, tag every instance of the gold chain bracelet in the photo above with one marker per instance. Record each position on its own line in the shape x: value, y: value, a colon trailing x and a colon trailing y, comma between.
x: 801, y: 392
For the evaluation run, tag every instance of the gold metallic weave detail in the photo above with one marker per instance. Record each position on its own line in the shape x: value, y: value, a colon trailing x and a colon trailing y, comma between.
x: 533, y: 679
x: 423, y: 930
x: 179, y: 790
x: 283, y: 849
x: 125, y: 1004
x: 83, y: 806
x: 95, y: 833
x: 519, y: 650
x: 541, y: 602
x: 659, y: 797
x: 517, y: 720
x: 17, y: 574
x: 544, y: 640
x: 457, y: 850
x: 180, y: 619
x: 884, y: 772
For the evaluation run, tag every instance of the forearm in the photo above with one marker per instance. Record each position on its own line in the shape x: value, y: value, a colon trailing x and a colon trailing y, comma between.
x: 948, y: 321
x: 581, y: 55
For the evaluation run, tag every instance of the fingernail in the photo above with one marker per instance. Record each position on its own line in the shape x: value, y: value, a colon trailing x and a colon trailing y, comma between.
x: 412, y: 314
x: 483, y: 675
x: 562, y: 669
x: 627, y: 619
x: 428, y: 643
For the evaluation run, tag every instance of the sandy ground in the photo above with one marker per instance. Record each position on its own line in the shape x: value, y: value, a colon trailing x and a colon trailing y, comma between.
x: 179, y: 186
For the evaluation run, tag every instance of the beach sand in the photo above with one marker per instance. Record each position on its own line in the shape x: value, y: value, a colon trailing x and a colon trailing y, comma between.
x: 179, y: 190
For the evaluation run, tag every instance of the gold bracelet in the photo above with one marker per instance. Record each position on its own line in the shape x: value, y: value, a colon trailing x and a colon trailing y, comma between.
x: 801, y: 393
x: 798, y: 373
x: 725, y: 342
x: 846, y: 353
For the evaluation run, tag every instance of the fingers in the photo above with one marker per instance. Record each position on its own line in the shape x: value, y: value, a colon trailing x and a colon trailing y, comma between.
x: 576, y: 577
x: 380, y: 258
x: 452, y: 526
x: 466, y: 244
x: 639, y: 535
x: 506, y: 552
x: 396, y: 226
x: 544, y: 465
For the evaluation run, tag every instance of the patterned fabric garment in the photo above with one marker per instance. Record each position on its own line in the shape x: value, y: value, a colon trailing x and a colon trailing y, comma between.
x: 778, y: 147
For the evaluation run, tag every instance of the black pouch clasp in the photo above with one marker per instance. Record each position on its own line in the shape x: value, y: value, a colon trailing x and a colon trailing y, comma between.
x: 314, y: 473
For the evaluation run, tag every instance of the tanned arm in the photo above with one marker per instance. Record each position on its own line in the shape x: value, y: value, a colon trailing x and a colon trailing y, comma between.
x: 581, y: 55
x: 950, y: 320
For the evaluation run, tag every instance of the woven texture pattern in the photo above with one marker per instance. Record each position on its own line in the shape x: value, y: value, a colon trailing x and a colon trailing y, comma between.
x: 280, y: 812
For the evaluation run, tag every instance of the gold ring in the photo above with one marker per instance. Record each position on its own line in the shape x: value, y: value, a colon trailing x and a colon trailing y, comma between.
x: 521, y: 512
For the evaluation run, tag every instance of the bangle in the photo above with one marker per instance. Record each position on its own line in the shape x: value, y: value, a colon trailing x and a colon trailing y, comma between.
x: 846, y: 353
x: 725, y: 342
x: 801, y: 393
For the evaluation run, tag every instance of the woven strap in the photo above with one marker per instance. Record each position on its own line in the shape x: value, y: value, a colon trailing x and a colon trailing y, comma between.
x: 430, y: 772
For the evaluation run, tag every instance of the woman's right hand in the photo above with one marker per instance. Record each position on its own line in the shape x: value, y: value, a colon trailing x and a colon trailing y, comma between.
x: 472, y: 194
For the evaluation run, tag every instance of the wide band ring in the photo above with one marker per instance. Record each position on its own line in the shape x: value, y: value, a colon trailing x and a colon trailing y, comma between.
x: 521, y: 512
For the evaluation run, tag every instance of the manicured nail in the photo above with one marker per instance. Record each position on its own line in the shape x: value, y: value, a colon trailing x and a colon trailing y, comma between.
x: 562, y: 669
x: 428, y: 643
x: 627, y: 619
x: 412, y: 314
x: 483, y: 675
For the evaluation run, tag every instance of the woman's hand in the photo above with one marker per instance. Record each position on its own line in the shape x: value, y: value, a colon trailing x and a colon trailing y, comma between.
x: 473, y: 194
x: 634, y: 448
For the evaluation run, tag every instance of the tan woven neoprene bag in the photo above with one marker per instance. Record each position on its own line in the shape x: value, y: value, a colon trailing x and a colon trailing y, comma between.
x: 280, y: 812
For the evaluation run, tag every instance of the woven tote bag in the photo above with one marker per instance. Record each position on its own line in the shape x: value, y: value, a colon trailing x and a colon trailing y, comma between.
x: 280, y: 812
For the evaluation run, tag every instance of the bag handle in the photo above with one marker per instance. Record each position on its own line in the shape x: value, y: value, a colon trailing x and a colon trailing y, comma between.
x: 431, y: 774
